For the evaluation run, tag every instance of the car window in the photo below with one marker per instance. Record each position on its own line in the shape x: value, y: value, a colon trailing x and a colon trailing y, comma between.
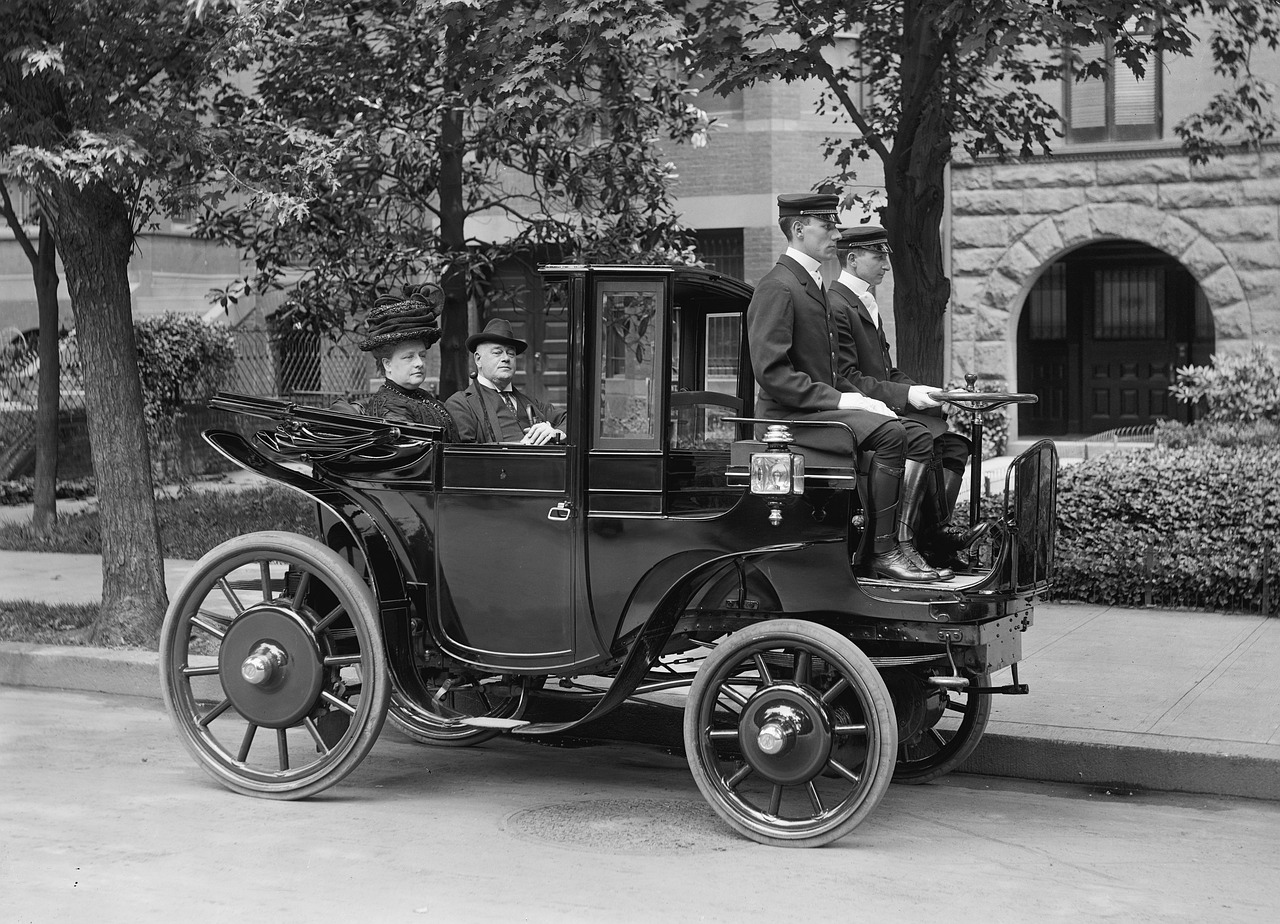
x: 627, y: 343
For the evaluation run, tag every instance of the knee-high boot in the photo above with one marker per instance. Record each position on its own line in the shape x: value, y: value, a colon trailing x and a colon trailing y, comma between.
x: 913, y: 492
x: 947, y: 536
x: 884, y: 488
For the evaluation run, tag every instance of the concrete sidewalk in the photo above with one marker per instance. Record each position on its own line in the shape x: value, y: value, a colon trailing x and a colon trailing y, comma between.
x: 1119, y: 697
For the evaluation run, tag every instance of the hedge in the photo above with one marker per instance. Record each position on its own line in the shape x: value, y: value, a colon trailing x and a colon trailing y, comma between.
x: 1206, y: 514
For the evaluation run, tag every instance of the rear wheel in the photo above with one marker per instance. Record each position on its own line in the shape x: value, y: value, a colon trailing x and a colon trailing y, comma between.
x: 455, y: 703
x: 272, y: 666
x: 938, y: 728
x: 790, y: 733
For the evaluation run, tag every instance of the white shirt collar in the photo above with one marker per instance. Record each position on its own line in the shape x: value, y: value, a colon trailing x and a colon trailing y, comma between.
x: 856, y: 284
x: 859, y: 287
x: 810, y: 265
x: 487, y: 384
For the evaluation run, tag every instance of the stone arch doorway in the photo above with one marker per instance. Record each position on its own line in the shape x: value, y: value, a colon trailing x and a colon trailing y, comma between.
x: 1100, y: 334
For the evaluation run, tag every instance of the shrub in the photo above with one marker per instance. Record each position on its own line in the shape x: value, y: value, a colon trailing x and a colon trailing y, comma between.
x: 1169, y: 434
x: 1233, y: 388
x: 1205, y: 515
x: 181, y: 360
x: 22, y: 490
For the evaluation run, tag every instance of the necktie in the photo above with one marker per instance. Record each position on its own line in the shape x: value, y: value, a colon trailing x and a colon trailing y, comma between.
x: 509, y: 400
x: 870, y: 301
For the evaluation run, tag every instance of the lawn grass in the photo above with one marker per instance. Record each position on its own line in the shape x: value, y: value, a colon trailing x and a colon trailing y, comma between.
x: 191, y: 523
x: 46, y: 623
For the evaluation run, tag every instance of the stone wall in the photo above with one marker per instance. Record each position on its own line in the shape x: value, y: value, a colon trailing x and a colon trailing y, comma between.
x: 1010, y: 221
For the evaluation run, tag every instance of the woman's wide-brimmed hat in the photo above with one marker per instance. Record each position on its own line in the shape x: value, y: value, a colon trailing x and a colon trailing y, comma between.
x: 412, y: 316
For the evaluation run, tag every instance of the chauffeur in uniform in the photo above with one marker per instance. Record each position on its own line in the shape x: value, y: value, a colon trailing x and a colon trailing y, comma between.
x: 794, y: 344
x: 935, y: 457
x: 491, y: 409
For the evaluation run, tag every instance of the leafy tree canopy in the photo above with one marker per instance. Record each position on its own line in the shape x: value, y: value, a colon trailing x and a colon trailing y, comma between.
x: 374, y: 133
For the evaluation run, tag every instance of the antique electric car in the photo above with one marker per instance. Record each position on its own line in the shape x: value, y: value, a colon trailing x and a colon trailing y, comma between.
x: 661, y: 551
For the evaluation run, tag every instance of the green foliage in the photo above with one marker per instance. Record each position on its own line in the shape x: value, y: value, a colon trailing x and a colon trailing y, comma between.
x: 181, y: 360
x: 1233, y: 388
x: 191, y: 523
x: 1204, y: 514
x: 350, y: 146
x: 1170, y: 434
x: 21, y: 490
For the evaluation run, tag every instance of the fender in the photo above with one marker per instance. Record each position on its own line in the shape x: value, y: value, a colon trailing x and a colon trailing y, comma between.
x: 384, y: 573
x: 652, y: 637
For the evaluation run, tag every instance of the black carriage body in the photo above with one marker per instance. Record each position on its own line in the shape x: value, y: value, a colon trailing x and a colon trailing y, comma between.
x: 562, y: 560
x: 659, y: 549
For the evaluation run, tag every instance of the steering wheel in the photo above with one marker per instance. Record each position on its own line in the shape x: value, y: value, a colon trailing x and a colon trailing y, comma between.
x: 983, y: 401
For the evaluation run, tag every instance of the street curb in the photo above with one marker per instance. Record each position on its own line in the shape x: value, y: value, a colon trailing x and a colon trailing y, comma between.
x: 1115, y: 761
x: 1126, y: 766
x: 123, y: 672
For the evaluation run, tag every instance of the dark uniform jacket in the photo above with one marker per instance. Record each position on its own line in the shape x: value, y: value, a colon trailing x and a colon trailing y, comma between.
x: 794, y: 343
x: 863, y: 358
x: 480, y: 413
x: 412, y: 405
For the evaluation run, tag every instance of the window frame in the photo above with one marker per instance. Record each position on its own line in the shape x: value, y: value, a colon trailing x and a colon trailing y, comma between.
x: 1111, y: 131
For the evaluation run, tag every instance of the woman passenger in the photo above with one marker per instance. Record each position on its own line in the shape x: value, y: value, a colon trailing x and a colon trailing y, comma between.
x: 400, y: 331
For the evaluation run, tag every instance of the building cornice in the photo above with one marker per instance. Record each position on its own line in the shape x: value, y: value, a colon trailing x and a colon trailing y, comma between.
x: 1104, y: 151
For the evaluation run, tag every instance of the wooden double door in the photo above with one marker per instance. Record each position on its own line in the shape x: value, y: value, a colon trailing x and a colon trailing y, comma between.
x: 1100, y: 336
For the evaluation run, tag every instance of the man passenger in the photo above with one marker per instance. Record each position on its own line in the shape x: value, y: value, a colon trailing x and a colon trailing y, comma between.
x: 491, y: 409
x: 794, y: 345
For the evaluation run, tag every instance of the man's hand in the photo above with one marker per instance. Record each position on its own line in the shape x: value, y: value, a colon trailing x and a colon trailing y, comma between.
x: 855, y: 401
x: 540, y: 434
x: 921, y: 397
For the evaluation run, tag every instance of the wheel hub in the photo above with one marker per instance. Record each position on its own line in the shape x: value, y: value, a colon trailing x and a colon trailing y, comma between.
x: 917, y: 705
x: 271, y: 667
x: 785, y: 734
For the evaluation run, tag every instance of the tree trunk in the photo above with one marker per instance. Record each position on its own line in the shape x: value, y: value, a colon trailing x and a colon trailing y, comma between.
x: 453, y: 240
x: 43, y: 257
x: 915, y: 185
x: 45, y: 272
x: 95, y: 238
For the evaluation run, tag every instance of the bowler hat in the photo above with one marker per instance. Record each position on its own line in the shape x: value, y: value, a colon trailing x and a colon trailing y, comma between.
x: 497, y: 330
x: 865, y: 237
x: 824, y: 206
x: 410, y: 317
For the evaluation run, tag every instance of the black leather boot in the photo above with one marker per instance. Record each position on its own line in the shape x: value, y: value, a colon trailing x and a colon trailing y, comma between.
x: 947, y: 537
x: 883, y: 489
x: 913, y: 492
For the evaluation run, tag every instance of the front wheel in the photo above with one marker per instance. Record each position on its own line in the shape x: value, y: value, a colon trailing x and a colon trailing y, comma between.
x: 790, y: 733
x: 273, y: 667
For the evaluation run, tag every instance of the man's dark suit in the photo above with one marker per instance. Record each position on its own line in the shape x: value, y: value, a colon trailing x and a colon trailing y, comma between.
x: 863, y: 359
x: 794, y: 342
x: 477, y: 409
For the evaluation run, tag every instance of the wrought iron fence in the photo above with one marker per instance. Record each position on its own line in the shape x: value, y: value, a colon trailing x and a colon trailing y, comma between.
x: 298, y: 366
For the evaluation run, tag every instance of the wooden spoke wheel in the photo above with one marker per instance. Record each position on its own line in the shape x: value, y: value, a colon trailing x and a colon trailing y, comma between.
x: 790, y: 733
x: 273, y: 667
x: 937, y: 728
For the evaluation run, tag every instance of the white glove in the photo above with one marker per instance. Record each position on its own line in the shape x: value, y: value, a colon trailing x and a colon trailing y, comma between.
x: 921, y: 397
x: 854, y: 401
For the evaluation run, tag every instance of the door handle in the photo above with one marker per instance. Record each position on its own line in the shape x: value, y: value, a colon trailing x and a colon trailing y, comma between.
x: 561, y: 511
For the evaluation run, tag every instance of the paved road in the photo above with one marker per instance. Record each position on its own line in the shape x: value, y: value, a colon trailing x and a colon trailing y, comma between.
x: 106, y: 819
